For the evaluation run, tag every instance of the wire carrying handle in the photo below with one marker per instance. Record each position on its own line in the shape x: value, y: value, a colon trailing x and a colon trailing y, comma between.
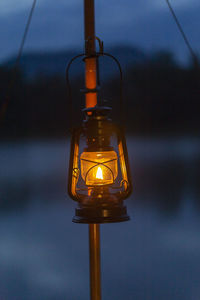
x: 96, y: 55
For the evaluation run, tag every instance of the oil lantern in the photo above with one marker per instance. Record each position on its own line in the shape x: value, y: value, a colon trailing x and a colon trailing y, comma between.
x: 99, y: 175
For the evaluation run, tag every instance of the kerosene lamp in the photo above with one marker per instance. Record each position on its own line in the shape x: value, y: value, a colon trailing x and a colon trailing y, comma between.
x: 99, y: 176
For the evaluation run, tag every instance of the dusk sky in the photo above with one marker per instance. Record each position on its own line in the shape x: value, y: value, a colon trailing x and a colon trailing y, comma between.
x: 57, y: 25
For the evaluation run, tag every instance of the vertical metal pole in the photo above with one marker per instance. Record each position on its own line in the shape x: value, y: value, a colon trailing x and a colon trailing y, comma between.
x: 91, y: 101
x: 95, y: 268
x: 90, y: 63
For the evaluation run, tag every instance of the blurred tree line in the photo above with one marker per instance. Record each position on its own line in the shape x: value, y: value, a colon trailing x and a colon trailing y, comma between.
x: 160, y: 98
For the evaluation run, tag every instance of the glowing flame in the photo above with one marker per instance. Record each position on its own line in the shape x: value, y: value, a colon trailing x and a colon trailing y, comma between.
x: 99, y: 174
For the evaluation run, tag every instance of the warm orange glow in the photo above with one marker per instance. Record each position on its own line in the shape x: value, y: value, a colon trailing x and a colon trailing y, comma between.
x: 123, y: 166
x: 99, y: 174
x: 90, y: 81
x: 99, y: 168
x: 75, y: 174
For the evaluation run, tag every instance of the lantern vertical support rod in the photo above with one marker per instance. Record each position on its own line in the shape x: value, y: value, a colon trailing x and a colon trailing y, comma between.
x: 95, y: 268
x: 90, y: 62
x: 91, y: 101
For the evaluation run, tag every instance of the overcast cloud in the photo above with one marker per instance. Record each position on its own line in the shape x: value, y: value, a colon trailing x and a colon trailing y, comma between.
x: 59, y: 24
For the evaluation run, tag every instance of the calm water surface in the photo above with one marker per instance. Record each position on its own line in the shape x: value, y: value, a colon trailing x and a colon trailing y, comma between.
x: 155, y: 256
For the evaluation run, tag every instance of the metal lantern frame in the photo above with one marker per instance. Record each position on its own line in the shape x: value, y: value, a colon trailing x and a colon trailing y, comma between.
x: 104, y: 206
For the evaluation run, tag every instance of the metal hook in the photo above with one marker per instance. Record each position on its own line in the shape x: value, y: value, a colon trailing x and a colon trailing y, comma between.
x: 87, y: 45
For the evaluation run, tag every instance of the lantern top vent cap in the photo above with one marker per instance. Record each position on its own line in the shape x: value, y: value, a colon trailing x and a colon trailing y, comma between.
x: 97, y: 111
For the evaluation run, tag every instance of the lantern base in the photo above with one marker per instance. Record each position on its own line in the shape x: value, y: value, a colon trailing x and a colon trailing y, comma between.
x: 100, y: 215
